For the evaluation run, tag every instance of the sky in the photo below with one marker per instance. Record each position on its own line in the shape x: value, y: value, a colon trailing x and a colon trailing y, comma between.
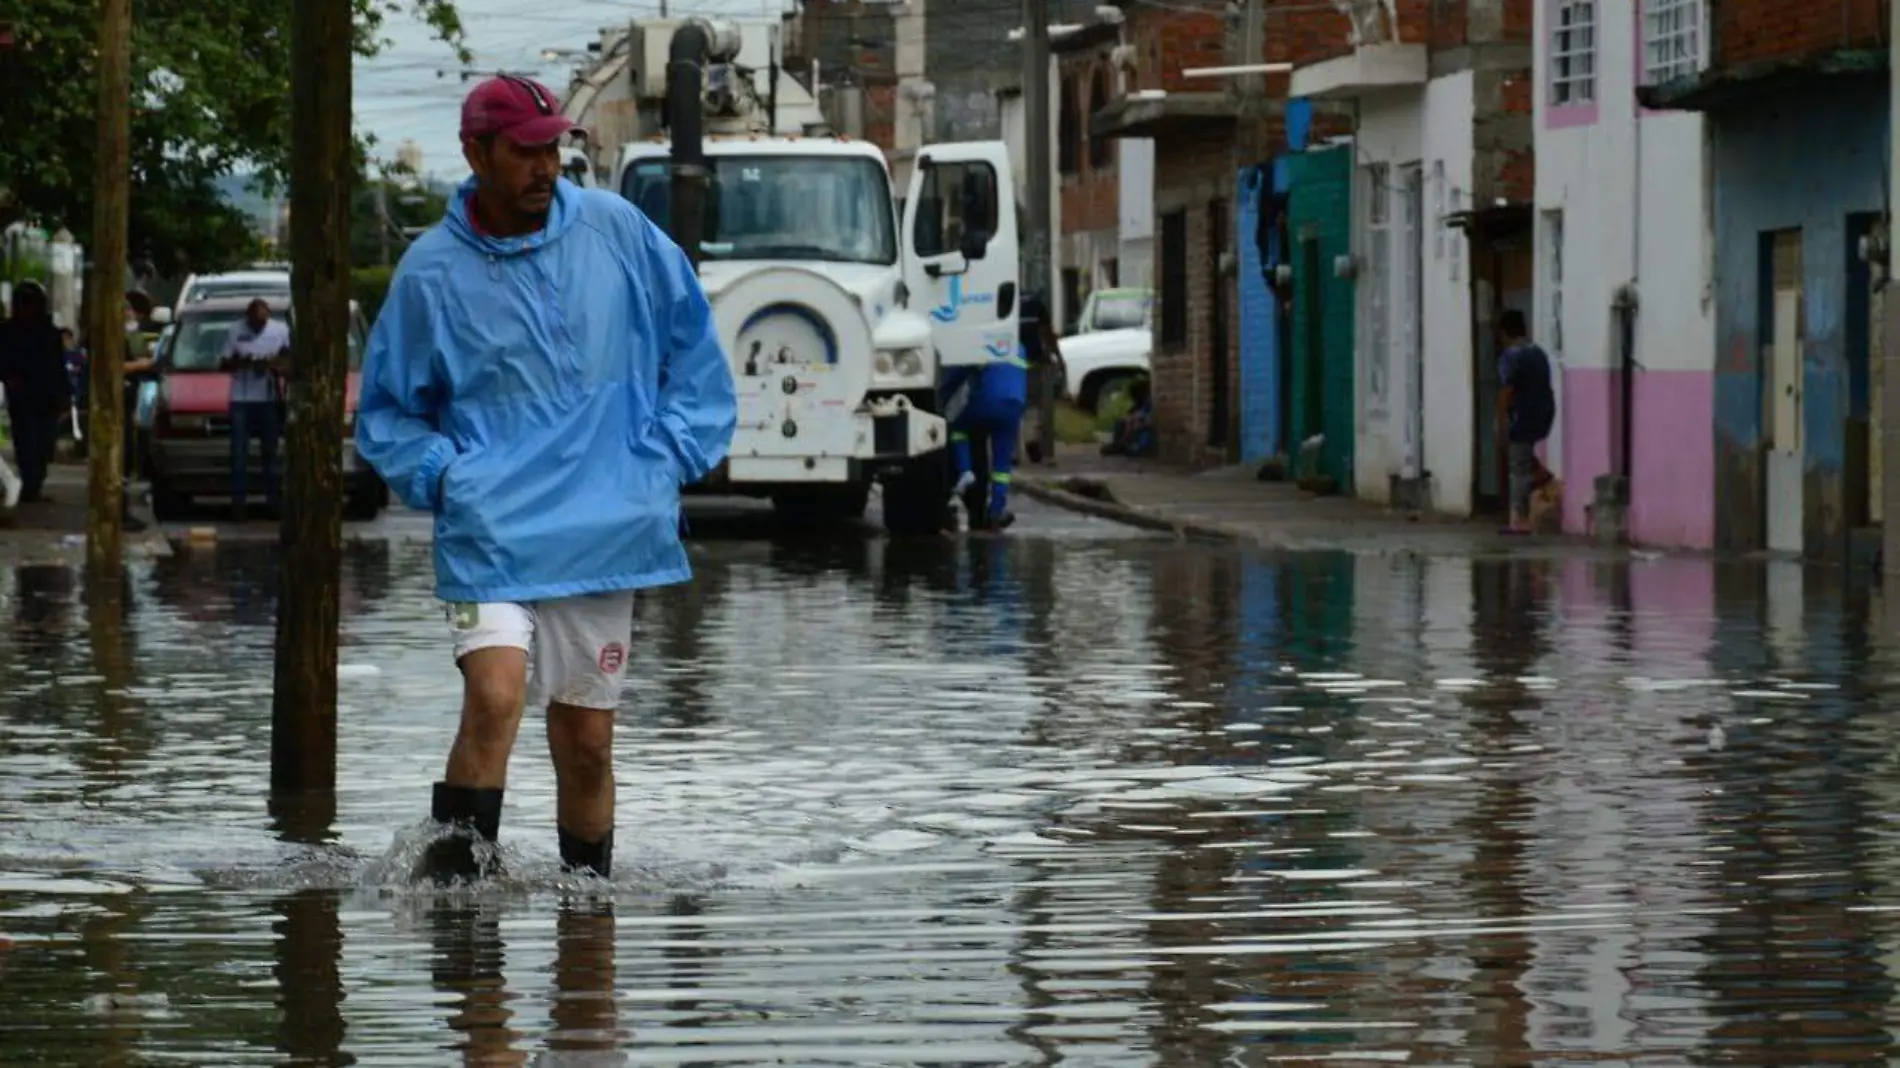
x: 400, y: 97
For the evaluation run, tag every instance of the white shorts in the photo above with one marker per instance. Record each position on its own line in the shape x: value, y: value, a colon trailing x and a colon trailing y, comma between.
x: 576, y: 646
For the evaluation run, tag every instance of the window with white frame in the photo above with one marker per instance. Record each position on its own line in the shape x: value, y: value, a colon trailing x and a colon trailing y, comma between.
x: 1573, y: 53
x: 1672, y: 39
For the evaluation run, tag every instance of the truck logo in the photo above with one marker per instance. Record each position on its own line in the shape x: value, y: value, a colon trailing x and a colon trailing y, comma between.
x: 949, y: 311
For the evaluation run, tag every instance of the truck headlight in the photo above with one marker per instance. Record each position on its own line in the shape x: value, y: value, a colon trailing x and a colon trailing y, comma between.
x: 904, y: 363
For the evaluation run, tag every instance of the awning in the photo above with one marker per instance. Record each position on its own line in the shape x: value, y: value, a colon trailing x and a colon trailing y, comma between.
x: 1164, y: 115
x: 1728, y: 87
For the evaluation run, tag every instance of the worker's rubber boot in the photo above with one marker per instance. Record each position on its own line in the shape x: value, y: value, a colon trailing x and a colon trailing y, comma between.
x: 473, y: 814
x: 578, y: 855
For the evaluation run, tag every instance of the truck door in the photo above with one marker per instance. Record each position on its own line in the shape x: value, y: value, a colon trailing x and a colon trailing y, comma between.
x: 960, y: 261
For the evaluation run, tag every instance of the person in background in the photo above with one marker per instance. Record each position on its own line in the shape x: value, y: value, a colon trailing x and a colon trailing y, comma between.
x: 1036, y: 332
x: 74, y: 357
x: 256, y: 357
x: 139, y: 368
x: 1135, y: 431
x: 1527, y: 409
x: 33, y: 371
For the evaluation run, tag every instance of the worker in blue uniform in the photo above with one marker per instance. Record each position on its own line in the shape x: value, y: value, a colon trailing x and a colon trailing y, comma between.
x: 986, y: 405
x: 988, y: 402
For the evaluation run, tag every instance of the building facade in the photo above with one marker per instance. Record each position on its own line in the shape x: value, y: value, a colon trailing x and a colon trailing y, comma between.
x: 1105, y: 185
x: 1796, y: 115
x: 1440, y: 103
x: 1625, y: 299
x: 1194, y: 126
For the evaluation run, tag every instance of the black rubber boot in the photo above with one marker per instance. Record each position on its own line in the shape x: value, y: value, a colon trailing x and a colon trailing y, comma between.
x: 597, y: 857
x: 474, y: 813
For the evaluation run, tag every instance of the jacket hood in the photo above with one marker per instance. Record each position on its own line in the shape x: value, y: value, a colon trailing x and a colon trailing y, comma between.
x: 561, y: 213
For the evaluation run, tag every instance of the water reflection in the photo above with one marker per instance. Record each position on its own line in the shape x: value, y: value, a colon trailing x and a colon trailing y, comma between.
x: 1011, y: 800
x: 309, y: 975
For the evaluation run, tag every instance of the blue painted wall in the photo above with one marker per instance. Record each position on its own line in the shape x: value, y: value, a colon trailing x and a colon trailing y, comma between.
x: 1259, y: 322
x: 1806, y: 158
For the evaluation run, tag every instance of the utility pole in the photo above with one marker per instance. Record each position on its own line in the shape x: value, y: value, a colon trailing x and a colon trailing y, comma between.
x: 1036, y: 272
x: 105, y: 286
x: 1889, y: 415
x: 303, y: 699
x: 383, y: 222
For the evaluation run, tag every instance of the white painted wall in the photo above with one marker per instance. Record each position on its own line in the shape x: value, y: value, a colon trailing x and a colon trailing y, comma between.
x: 1136, y: 168
x: 1011, y: 114
x: 1449, y: 369
x: 1432, y: 130
x: 1619, y: 224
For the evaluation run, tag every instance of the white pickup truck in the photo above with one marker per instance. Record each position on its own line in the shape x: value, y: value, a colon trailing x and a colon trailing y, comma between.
x: 1111, y: 344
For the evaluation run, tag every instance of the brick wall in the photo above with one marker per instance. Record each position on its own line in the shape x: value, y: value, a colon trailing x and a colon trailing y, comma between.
x: 1751, y: 31
x: 1169, y: 40
x: 1091, y: 197
x: 1503, y: 159
x: 1190, y: 174
x: 1302, y: 32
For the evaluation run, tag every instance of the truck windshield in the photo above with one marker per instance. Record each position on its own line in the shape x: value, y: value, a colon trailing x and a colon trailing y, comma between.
x: 781, y: 207
x: 1120, y: 311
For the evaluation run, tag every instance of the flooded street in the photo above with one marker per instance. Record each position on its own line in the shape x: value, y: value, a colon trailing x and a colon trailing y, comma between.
x: 1080, y: 795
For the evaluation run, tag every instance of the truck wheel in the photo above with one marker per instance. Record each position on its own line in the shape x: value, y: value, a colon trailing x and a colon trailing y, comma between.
x: 817, y: 505
x: 1099, y: 386
x: 917, y: 501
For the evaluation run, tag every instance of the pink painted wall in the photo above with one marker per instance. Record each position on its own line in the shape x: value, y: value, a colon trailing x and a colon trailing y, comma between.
x: 1674, y: 491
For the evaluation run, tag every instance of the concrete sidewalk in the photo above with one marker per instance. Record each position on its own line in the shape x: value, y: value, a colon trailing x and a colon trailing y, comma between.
x: 1230, y: 504
x: 54, y: 531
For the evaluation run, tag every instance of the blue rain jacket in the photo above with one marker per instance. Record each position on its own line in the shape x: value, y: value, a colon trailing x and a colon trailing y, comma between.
x: 546, y: 397
x: 996, y: 392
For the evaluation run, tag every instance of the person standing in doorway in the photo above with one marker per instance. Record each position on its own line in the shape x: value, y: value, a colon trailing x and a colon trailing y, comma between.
x: 258, y: 347
x: 1527, y: 409
x: 545, y: 377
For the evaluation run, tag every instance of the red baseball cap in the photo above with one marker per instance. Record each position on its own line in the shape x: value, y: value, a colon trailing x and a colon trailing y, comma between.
x: 520, y: 109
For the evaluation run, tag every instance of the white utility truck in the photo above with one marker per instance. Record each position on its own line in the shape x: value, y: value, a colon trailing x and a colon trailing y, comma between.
x: 839, y: 317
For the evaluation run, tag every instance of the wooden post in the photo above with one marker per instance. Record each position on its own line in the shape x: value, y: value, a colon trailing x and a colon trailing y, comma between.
x: 105, y: 284
x: 303, y: 706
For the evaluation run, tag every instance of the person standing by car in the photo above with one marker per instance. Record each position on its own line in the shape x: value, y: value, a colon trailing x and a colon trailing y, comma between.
x: 33, y: 372
x: 544, y: 376
x: 256, y: 357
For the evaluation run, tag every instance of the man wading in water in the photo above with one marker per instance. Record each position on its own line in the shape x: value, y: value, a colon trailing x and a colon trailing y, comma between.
x: 544, y: 376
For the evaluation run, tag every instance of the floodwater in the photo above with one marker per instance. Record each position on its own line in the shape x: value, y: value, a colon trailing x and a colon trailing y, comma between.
x: 1074, y: 796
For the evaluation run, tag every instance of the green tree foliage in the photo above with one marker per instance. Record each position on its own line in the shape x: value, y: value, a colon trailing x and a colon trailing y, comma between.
x: 211, y: 95
x: 409, y: 206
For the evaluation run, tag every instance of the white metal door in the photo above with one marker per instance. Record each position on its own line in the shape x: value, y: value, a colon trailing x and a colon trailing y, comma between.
x: 960, y: 261
x: 1783, y: 385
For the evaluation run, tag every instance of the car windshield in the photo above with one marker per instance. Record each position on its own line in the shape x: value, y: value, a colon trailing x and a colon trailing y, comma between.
x: 1120, y: 311
x: 782, y: 207
x: 203, y: 338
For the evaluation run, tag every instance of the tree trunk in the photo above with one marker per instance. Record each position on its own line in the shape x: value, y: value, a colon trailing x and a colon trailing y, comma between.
x: 105, y: 282
x: 303, y: 710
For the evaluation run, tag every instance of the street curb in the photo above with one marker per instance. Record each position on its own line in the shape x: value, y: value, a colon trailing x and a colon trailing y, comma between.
x: 1122, y: 513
